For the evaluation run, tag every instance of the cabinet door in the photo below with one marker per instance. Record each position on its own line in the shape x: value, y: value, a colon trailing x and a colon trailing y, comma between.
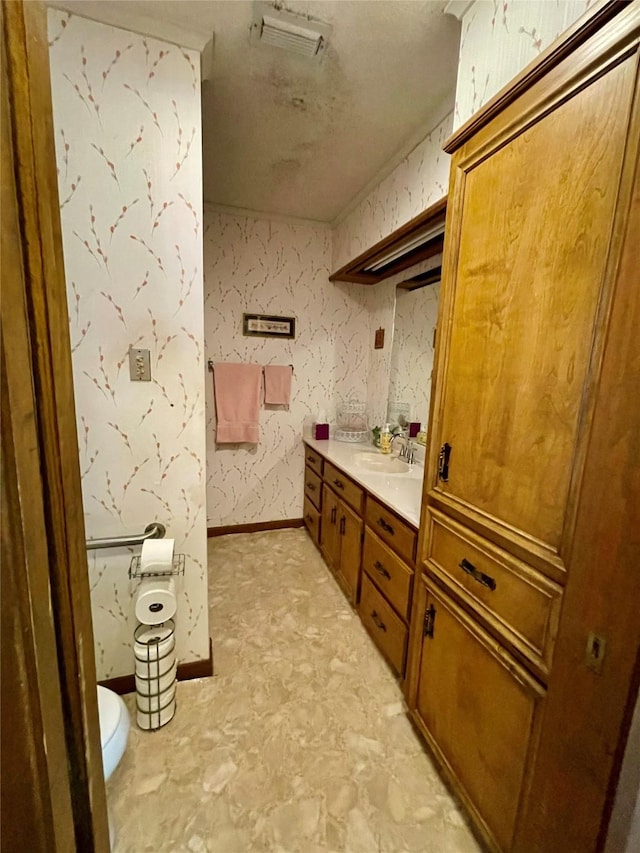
x: 479, y: 711
x: 329, y: 539
x: 350, y: 534
x: 534, y: 227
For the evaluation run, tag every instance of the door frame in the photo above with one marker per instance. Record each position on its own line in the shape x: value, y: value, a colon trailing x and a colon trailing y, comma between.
x: 49, y: 675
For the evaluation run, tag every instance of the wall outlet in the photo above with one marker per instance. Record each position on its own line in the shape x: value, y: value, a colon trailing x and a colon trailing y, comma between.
x: 139, y: 365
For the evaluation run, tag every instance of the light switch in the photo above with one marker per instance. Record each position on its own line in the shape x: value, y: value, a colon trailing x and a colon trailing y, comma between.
x: 139, y: 365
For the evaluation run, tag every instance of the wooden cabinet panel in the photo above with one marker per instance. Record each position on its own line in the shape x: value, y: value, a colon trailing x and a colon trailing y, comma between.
x: 312, y: 520
x: 388, y: 631
x: 391, y: 529
x: 350, y: 533
x: 514, y: 599
x: 388, y: 572
x: 479, y: 710
x: 329, y: 539
x: 534, y: 234
x: 313, y: 487
x: 313, y: 460
x: 341, y: 541
x: 342, y: 485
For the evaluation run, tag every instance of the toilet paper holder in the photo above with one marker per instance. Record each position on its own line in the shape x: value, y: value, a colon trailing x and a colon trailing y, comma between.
x: 176, y: 569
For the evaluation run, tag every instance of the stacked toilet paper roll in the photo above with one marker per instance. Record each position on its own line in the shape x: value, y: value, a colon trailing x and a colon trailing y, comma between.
x: 156, y: 599
x: 156, y: 669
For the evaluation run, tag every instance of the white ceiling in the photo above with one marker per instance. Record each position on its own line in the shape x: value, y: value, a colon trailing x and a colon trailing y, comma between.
x: 288, y: 136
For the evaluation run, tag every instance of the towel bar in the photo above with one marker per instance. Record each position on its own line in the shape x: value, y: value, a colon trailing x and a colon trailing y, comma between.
x: 210, y: 365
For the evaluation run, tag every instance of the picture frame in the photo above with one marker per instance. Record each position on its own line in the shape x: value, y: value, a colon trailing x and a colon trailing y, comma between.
x: 268, y: 326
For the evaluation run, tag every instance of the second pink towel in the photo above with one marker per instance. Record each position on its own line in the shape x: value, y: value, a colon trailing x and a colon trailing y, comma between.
x: 277, y: 384
x: 237, y: 391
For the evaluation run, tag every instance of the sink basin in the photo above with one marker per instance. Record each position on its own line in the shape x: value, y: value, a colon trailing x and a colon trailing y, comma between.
x: 380, y: 464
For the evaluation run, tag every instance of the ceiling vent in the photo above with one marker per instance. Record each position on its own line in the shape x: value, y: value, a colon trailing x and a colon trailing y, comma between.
x: 294, y: 33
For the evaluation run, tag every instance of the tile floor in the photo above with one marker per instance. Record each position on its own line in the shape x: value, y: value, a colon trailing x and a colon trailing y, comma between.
x: 298, y: 744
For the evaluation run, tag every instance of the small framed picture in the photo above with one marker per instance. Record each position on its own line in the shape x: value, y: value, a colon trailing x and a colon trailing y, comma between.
x: 268, y: 326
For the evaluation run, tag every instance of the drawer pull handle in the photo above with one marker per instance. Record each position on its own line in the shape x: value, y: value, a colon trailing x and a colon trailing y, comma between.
x: 386, y: 526
x: 429, y: 621
x: 334, y: 511
x: 311, y: 487
x: 311, y: 458
x: 309, y: 519
x: 338, y: 483
x: 342, y: 525
x: 443, y: 462
x: 477, y: 575
x: 381, y: 570
x: 378, y: 621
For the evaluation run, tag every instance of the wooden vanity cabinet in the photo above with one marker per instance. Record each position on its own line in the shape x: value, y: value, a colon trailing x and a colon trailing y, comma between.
x: 312, y: 506
x: 341, y: 531
x: 541, y: 257
x: 387, y: 581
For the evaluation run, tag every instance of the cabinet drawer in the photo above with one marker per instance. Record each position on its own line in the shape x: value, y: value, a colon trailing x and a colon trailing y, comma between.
x: 312, y: 520
x: 313, y: 487
x: 388, y: 572
x: 513, y: 598
x: 313, y: 460
x: 396, y: 533
x: 343, y: 486
x: 388, y: 631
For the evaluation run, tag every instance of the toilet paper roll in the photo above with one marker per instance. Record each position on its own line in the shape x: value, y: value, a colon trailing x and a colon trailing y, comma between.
x: 156, y: 601
x: 156, y: 556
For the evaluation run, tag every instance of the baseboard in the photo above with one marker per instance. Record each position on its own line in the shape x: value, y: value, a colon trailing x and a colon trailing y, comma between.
x: 255, y: 526
x: 186, y: 671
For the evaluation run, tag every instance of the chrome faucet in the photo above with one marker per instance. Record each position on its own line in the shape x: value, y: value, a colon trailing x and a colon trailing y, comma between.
x: 407, y: 451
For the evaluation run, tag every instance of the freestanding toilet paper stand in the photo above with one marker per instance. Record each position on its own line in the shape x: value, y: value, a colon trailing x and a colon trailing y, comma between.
x: 155, y: 658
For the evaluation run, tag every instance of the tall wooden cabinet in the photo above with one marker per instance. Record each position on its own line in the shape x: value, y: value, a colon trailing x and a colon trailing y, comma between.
x: 542, y: 233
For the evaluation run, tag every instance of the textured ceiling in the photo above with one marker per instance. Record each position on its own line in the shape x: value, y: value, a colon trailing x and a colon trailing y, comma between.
x: 289, y: 136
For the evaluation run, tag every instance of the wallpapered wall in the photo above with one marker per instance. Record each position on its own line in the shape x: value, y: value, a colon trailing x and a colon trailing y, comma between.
x: 499, y: 38
x: 127, y: 127
x: 412, y: 357
x: 269, y: 267
x: 420, y: 180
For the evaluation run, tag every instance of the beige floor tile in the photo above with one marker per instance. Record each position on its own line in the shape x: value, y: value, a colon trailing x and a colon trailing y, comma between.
x: 298, y: 744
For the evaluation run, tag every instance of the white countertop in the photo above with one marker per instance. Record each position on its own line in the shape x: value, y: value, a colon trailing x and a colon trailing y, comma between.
x: 400, y: 492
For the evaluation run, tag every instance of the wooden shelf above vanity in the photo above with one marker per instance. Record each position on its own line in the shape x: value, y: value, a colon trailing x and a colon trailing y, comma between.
x: 404, y: 248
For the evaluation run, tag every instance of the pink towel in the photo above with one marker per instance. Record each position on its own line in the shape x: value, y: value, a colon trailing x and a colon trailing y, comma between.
x: 277, y: 384
x: 237, y: 391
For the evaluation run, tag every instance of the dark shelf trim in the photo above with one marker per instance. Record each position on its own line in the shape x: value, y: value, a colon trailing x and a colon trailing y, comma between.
x: 355, y: 271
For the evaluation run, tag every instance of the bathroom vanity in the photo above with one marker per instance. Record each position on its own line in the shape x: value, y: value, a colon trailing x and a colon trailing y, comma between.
x: 362, y: 511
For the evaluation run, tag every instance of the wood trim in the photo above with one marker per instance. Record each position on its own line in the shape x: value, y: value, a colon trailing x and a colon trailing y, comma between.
x: 355, y: 270
x: 203, y: 668
x: 588, y: 24
x: 36, y: 791
x: 46, y: 378
x: 254, y: 527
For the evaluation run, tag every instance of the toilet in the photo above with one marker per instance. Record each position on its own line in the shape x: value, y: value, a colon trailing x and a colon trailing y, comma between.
x: 114, y: 731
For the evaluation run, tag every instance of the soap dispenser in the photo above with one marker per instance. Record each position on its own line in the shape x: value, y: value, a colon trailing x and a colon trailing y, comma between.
x: 385, y: 440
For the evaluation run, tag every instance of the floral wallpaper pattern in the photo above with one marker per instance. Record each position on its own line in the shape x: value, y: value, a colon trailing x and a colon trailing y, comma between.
x: 420, y: 180
x: 127, y: 128
x: 270, y: 267
x: 499, y: 38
